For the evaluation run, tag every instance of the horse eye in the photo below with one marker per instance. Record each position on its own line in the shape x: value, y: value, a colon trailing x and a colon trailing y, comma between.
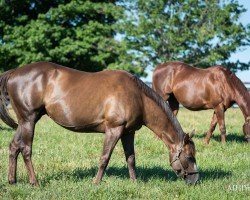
x: 190, y: 158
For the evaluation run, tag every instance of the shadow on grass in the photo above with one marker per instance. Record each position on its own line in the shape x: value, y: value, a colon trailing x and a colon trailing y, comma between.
x: 143, y: 174
x: 214, y: 174
x: 4, y: 128
x: 232, y: 137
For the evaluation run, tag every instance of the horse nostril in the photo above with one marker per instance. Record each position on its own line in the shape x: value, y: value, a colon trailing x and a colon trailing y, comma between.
x: 192, y: 179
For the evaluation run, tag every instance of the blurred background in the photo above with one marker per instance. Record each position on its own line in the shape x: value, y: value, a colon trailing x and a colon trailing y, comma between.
x: 134, y: 35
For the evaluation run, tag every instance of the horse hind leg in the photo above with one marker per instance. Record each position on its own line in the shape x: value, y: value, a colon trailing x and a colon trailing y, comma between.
x: 22, y: 142
x: 14, y: 150
x: 220, y: 113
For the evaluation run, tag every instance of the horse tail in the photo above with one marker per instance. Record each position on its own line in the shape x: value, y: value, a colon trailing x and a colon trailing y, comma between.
x: 4, y: 114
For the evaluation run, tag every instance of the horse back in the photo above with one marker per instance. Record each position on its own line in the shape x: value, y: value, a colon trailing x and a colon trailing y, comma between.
x: 164, y: 76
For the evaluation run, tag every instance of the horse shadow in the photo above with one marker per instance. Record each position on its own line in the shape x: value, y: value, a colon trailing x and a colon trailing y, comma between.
x: 144, y: 174
x: 4, y: 128
x: 231, y: 137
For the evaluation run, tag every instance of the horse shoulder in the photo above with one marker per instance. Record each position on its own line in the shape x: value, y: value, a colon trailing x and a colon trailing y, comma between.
x: 163, y: 78
x: 223, y: 84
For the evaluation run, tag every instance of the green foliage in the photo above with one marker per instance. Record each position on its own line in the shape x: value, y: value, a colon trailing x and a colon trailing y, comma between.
x: 78, y: 34
x: 201, y: 33
x: 94, y: 35
x: 66, y: 163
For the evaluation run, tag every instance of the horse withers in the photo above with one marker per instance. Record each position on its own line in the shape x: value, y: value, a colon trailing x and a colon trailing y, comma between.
x: 200, y: 89
x: 112, y: 102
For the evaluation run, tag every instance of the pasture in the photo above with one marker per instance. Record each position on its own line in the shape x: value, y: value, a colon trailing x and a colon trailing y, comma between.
x: 66, y: 163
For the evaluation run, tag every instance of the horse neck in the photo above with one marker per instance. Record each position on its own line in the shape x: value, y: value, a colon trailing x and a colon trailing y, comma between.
x: 242, y: 98
x: 160, y: 123
x: 243, y: 101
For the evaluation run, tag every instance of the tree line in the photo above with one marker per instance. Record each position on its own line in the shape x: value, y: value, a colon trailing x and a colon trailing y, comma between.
x: 93, y: 35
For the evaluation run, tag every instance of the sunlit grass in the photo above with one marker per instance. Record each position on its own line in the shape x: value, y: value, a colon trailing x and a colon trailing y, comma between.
x: 66, y: 163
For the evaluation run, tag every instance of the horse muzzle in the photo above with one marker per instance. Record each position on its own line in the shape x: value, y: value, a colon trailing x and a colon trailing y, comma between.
x: 192, y: 179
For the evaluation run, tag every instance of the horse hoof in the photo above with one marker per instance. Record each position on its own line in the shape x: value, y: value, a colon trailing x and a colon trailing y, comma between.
x: 223, y: 141
x: 35, y: 184
x: 12, y: 182
x: 96, y: 182
x: 133, y: 179
x: 206, y: 142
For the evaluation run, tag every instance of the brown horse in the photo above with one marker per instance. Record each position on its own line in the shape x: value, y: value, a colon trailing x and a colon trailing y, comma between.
x: 113, y: 102
x: 199, y: 89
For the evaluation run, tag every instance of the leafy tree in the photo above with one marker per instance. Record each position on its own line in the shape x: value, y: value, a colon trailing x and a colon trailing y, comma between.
x: 199, y: 32
x: 83, y: 33
x: 75, y: 33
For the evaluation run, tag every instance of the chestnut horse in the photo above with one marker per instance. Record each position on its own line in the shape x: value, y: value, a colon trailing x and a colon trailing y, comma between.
x: 199, y: 89
x: 113, y: 102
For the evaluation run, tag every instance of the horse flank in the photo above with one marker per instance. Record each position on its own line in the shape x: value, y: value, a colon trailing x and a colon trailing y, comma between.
x: 161, y: 103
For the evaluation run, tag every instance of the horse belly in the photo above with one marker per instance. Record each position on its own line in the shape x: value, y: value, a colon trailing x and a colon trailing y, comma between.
x: 193, y: 99
x: 195, y: 107
x: 76, y: 116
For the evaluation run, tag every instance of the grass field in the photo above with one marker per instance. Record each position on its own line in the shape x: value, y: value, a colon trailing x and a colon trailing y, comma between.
x: 67, y: 162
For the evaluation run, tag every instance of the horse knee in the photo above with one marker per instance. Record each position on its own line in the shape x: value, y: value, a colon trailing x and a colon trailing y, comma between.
x: 14, y: 150
x: 212, y: 129
x: 26, y: 152
x: 131, y: 160
x: 223, y: 130
x: 104, y: 161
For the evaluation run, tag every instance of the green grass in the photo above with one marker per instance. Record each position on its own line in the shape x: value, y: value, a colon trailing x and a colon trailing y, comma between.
x: 66, y: 163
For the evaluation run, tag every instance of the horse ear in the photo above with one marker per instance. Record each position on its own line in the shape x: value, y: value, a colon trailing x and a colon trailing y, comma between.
x: 192, y: 133
x: 186, y: 139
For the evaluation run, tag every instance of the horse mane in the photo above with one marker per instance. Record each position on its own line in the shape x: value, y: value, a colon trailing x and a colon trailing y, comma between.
x: 237, y: 84
x: 161, y: 103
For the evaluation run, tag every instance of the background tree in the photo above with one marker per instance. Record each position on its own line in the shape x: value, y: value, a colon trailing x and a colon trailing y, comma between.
x: 78, y: 34
x: 198, y: 32
x: 93, y: 35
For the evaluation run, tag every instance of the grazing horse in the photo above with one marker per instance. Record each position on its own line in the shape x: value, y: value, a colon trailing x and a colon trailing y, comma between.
x: 200, y: 89
x: 112, y: 102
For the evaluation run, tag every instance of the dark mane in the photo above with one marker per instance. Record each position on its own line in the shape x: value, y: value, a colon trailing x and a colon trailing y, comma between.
x: 238, y: 86
x: 160, y: 102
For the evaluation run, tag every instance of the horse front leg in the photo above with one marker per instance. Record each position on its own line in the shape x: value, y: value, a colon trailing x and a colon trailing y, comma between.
x: 211, y: 129
x: 128, y: 146
x: 112, y: 135
x: 220, y: 114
